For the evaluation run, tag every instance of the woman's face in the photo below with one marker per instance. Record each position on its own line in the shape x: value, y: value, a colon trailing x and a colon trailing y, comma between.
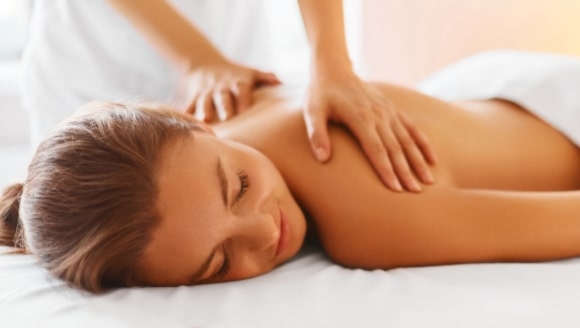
x: 226, y: 214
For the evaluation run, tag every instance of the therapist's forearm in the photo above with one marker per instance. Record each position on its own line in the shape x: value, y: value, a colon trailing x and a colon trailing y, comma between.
x: 324, y: 23
x: 170, y: 32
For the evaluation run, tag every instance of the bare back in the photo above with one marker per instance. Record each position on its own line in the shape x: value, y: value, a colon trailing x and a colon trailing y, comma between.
x: 480, y: 144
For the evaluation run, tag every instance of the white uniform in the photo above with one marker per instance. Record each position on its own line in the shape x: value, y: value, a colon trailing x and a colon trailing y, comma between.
x: 83, y: 50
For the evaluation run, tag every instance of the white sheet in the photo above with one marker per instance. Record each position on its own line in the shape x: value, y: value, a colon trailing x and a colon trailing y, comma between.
x: 310, y: 291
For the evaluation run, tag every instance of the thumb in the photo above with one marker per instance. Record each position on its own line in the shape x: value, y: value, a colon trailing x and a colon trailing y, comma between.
x: 263, y: 78
x: 317, y: 130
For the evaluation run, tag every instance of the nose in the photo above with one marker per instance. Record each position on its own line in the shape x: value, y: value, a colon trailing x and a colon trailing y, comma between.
x: 259, y: 230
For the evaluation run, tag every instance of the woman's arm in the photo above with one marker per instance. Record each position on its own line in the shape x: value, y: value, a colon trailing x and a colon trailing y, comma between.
x: 447, y: 225
x: 364, y: 225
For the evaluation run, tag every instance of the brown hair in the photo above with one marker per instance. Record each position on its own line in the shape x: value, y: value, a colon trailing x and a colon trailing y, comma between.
x: 87, y: 208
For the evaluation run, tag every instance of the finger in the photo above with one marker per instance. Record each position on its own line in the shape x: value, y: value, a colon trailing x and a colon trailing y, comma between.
x: 317, y: 130
x: 190, y: 109
x: 398, y: 159
x: 420, y: 139
x: 413, y: 155
x: 205, y: 110
x: 224, y: 104
x: 375, y: 150
x: 266, y: 78
x: 242, y: 92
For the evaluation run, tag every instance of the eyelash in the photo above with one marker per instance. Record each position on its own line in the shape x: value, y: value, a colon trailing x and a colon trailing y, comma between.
x: 225, y: 269
x: 245, y: 184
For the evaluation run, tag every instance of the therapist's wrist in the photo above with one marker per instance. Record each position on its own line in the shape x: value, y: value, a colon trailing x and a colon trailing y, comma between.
x: 330, y: 62
x: 204, y: 61
x: 331, y: 65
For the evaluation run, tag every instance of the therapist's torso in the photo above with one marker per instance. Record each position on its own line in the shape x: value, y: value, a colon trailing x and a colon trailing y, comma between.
x: 85, y: 50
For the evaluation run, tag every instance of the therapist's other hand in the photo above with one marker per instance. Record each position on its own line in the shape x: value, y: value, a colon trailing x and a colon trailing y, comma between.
x: 217, y: 92
x: 392, y: 143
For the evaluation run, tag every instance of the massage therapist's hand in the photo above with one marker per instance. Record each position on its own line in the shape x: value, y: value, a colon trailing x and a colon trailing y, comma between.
x: 219, y: 91
x: 392, y: 143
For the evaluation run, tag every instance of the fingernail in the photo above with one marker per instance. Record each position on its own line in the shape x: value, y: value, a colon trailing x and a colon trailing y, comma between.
x: 320, y: 154
x: 429, y: 177
x: 397, y: 185
x: 416, y: 186
x: 434, y: 159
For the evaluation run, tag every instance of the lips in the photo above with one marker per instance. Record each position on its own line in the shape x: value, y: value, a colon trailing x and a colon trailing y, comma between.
x: 284, y: 234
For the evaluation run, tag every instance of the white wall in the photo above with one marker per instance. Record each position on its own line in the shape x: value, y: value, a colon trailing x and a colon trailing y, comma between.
x: 405, y: 40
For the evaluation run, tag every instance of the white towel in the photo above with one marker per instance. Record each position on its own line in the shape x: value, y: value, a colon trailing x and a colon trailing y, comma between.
x: 548, y: 85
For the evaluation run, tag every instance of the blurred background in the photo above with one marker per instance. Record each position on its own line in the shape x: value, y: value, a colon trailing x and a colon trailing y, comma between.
x: 400, y: 41
x: 14, y: 152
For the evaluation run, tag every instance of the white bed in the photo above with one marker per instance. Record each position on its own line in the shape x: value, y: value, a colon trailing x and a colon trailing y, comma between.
x: 310, y: 291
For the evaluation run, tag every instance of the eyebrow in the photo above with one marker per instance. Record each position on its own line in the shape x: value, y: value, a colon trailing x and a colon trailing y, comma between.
x: 224, y: 191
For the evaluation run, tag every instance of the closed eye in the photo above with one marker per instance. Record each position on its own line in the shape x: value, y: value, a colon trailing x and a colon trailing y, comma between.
x: 244, y: 185
x: 225, y: 269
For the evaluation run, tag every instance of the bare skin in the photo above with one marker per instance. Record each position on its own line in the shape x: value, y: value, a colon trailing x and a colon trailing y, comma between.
x: 492, y: 155
x: 506, y: 190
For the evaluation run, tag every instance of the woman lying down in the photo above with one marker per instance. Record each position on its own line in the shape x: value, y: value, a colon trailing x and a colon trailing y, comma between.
x: 141, y: 195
